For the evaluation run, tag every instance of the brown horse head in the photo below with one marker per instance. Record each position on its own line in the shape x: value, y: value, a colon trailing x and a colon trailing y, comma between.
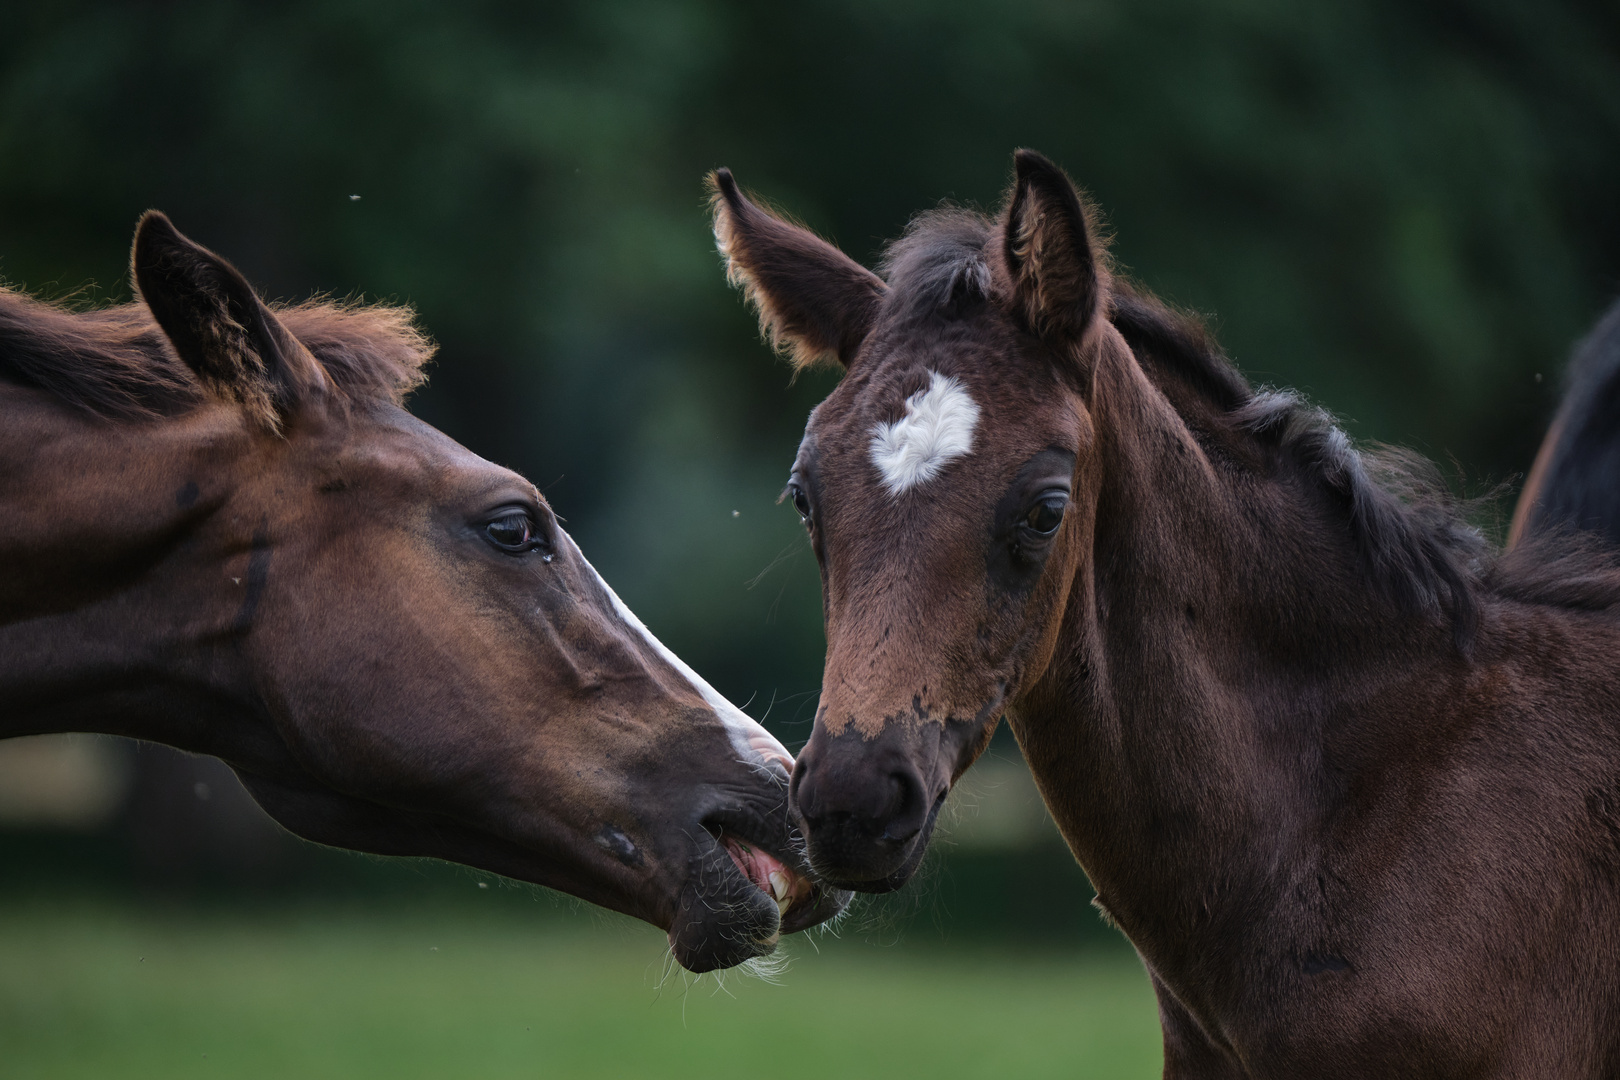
x: 959, y: 438
x: 219, y: 529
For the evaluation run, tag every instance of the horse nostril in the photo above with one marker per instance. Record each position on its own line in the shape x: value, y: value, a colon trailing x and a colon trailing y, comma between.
x: 795, y: 782
x: 804, y: 791
x: 909, y: 807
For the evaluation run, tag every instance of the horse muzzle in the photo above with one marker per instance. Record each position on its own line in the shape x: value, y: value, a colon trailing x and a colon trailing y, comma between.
x: 749, y: 883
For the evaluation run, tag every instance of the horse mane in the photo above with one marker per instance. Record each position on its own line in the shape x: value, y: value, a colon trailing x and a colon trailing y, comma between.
x: 1408, y: 527
x: 1406, y: 524
x: 115, y: 363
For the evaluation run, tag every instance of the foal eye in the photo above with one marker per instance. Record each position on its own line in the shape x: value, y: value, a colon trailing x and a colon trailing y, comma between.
x: 1045, y: 516
x: 512, y: 531
x: 801, y: 502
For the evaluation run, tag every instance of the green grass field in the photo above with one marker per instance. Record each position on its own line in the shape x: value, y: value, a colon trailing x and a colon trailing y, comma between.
x: 108, y: 992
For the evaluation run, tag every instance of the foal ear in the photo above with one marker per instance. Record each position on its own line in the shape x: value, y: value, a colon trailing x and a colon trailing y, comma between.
x: 1057, y: 264
x: 814, y: 302
x: 218, y: 324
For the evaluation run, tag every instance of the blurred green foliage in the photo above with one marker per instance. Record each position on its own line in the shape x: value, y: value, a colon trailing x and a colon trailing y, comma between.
x: 1407, y: 209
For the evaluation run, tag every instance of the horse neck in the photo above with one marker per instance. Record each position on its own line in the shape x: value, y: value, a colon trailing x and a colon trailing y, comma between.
x: 1217, y: 644
x: 111, y: 619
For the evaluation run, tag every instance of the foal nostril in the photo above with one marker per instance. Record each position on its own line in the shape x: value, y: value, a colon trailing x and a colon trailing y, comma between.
x: 908, y: 807
x: 891, y: 808
x: 801, y: 769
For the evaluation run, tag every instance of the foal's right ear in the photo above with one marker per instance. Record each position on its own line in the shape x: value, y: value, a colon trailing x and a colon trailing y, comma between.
x: 814, y: 302
x: 218, y: 324
x: 1057, y: 261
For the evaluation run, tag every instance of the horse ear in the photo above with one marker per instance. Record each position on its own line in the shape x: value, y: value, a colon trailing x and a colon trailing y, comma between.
x: 1057, y: 264
x: 218, y: 324
x: 814, y: 302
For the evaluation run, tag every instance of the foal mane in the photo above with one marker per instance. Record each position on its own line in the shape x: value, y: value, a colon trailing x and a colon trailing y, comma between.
x: 1409, y: 529
x: 113, y: 362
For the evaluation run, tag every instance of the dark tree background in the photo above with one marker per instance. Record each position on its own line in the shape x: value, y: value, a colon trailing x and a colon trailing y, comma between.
x: 1408, y: 209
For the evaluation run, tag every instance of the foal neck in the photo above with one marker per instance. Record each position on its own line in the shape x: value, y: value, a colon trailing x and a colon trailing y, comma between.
x: 1218, y: 681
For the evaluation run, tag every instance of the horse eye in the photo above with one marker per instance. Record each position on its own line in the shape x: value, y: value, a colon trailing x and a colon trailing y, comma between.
x: 801, y: 502
x: 1045, y: 516
x: 512, y: 531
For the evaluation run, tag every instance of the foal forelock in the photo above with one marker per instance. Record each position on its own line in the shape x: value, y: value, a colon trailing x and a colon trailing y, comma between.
x: 938, y: 263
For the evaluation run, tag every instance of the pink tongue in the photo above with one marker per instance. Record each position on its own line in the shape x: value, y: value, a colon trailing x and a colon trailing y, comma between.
x: 758, y: 867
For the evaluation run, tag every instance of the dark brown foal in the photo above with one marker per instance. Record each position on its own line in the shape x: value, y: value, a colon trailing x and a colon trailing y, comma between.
x: 1348, y: 780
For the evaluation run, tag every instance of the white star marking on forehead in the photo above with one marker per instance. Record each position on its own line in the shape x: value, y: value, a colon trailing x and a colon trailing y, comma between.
x: 938, y: 426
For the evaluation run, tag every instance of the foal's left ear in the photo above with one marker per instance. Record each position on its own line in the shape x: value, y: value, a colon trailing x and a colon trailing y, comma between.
x: 218, y: 324
x: 1056, y: 261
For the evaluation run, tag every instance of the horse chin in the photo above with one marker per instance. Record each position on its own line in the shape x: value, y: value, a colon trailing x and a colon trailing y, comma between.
x: 740, y: 902
x: 723, y: 918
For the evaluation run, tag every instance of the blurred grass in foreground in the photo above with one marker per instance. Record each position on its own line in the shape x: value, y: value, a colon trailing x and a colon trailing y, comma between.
x: 100, y: 991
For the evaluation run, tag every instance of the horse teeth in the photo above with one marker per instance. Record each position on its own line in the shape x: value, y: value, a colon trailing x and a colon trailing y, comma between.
x: 781, y: 888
